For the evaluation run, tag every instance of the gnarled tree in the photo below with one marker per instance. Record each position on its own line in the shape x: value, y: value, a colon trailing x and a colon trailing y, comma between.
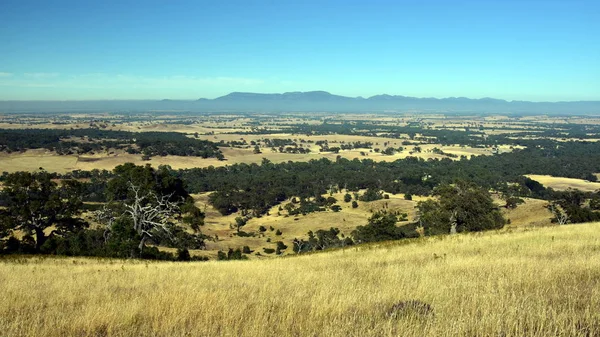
x: 35, y: 204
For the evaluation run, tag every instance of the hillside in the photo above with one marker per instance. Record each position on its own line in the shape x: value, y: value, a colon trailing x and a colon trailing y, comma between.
x: 534, y: 282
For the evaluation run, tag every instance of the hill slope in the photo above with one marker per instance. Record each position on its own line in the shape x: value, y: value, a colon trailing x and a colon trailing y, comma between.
x: 536, y: 282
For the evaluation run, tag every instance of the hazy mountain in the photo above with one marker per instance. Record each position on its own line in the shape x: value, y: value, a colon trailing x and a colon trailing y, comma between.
x: 311, y: 101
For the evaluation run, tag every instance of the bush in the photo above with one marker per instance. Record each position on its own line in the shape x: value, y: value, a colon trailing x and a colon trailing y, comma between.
x: 278, y: 232
x: 183, y: 255
x: 354, y: 204
x: 268, y: 250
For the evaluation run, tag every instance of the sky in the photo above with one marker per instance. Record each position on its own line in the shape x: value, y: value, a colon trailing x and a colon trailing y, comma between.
x: 539, y: 50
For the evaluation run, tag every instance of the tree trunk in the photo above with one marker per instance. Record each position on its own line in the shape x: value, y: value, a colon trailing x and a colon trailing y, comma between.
x: 40, y: 238
x: 142, y: 244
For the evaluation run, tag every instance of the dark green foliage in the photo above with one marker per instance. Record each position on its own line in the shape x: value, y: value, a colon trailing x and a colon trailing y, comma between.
x: 381, y: 227
x: 408, y: 196
x: 256, y: 188
x: 35, y: 203
x: 147, y: 143
x: 262, y: 229
x: 347, y: 197
x: 281, y: 245
x: 371, y: 195
x: 269, y: 250
x: 240, y: 222
x: 231, y: 255
x: 183, y: 255
x: 306, y: 206
x: 278, y: 232
x: 468, y: 207
x: 336, y: 208
x: 573, y: 203
x: 161, y: 181
x: 321, y: 240
x: 513, y: 202
x: 354, y: 204
x: 246, y: 250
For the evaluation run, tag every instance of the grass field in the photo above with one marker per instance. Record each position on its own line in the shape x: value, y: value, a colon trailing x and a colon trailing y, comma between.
x: 561, y: 183
x: 531, y: 213
x: 32, y: 160
x: 537, y: 282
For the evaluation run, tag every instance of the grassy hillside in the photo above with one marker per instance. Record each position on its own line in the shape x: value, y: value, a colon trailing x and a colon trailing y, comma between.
x: 535, y: 282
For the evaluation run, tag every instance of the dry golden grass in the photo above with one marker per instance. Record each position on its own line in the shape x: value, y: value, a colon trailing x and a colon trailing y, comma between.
x: 32, y: 160
x: 560, y: 183
x: 292, y: 226
x: 531, y: 213
x: 538, y: 282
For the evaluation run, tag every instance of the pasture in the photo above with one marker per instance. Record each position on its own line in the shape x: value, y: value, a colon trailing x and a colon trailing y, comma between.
x: 534, y: 282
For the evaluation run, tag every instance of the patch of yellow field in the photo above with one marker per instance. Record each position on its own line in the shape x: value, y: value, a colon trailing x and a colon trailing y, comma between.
x: 561, y: 184
x: 32, y: 160
x: 293, y: 226
x: 531, y: 213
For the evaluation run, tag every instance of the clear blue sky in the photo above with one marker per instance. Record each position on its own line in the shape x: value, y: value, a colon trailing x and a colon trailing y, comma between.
x: 542, y: 50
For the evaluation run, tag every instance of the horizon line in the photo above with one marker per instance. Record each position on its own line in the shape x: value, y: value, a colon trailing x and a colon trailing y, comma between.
x: 280, y: 93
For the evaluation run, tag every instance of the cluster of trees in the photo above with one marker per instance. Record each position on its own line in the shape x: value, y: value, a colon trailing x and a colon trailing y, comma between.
x: 81, y: 141
x: 460, y: 207
x: 320, y: 240
x: 255, y: 188
x: 144, y: 210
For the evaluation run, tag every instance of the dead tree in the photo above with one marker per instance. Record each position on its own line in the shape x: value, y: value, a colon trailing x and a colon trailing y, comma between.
x: 107, y: 217
x: 300, y: 244
x: 149, y: 213
x: 561, y: 217
x: 453, y: 222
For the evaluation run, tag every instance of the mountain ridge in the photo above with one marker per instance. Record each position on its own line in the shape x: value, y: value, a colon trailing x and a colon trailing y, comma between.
x: 313, y: 101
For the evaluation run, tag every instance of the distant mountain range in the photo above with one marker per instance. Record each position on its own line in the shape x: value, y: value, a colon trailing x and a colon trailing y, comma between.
x: 311, y: 101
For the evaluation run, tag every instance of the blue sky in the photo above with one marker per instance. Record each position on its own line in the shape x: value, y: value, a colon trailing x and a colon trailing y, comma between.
x: 523, y: 50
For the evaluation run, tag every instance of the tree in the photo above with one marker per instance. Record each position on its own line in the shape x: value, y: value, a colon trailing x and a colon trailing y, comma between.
x: 381, y: 226
x: 35, y: 203
x: 347, y: 197
x: 559, y: 215
x: 150, y: 214
x: 240, y: 222
x: 151, y: 200
x: 461, y: 207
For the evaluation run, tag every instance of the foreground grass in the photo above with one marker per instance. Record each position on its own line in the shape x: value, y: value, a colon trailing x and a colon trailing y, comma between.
x: 539, y: 282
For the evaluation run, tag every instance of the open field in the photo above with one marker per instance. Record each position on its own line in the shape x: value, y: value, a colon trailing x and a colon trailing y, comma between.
x: 561, y: 184
x: 531, y: 213
x: 537, y: 282
x: 32, y: 160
